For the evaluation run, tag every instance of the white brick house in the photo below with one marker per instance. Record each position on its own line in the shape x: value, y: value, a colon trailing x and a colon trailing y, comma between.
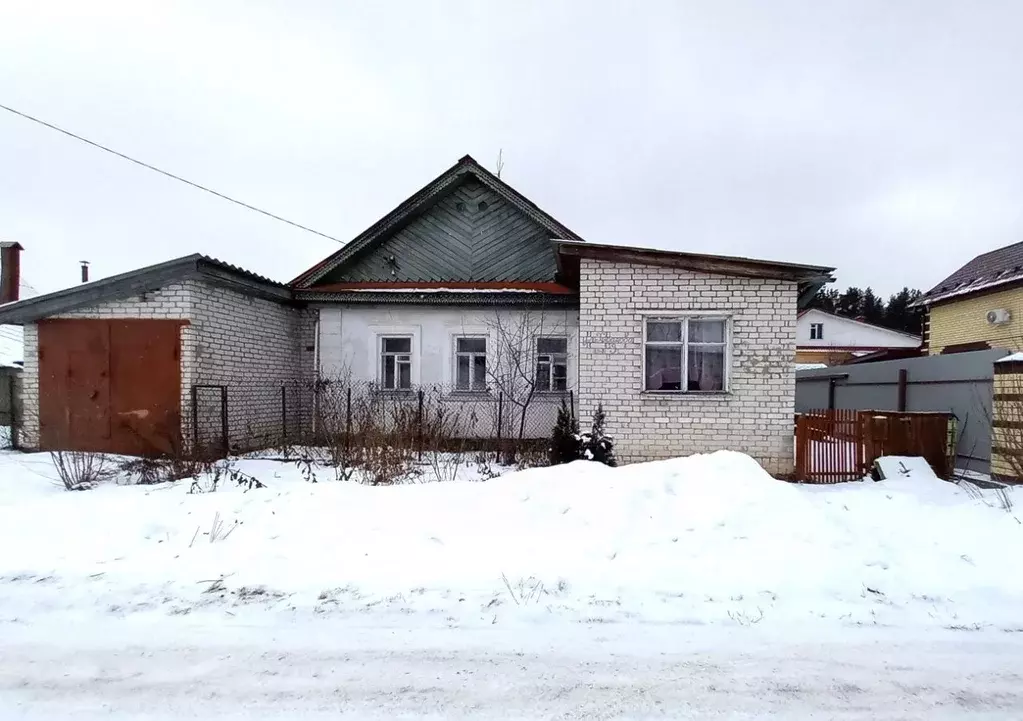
x: 467, y: 288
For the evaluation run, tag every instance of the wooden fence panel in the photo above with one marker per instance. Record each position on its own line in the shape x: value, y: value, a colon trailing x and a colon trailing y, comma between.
x: 835, y: 445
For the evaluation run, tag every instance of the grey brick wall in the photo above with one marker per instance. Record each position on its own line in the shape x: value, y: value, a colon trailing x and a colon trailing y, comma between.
x: 252, y: 346
x: 755, y: 417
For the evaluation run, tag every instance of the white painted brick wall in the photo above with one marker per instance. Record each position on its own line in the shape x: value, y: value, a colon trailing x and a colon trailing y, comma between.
x: 252, y: 346
x: 755, y: 417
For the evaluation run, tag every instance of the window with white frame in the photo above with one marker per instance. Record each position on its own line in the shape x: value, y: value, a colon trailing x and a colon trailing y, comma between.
x: 396, y: 363
x: 816, y: 331
x: 551, y: 365
x: 471, y: 364
x: 687, y: 354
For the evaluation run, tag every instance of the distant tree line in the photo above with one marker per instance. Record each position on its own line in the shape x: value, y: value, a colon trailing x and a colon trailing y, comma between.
x: 866, y: 306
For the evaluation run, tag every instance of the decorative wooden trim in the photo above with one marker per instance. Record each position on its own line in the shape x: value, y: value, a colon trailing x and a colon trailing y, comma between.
x: 965, y: 347
x: 1008, y: 367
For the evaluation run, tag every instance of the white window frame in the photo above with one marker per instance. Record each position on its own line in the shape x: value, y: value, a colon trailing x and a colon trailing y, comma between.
x: 471, y: 355
x: 550, y: 364
x: 816, y: 331
x: 381, y: 354
x: 684, y: 319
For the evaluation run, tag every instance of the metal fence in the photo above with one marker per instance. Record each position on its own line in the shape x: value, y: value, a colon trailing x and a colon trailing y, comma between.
x: 233, y: 418
x: 959, y: 384
x: 9, y: 379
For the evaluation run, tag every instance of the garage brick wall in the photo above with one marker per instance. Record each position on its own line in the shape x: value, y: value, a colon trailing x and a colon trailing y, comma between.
x: 250, y: 345
x: 254, y: 347
x: 754, y: 417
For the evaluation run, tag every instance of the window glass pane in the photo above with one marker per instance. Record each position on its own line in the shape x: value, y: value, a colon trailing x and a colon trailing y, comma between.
x: 663, y: 369
x: 660, y: 331
x: 405, y: 375
x: 479, y: 372
x: 560, y: 376
x: 706, y: 331
x: 551, y: 345
x: 462, y: 373
x: 397, y: 345
x: 543, y: 376
x: 472, y: 345
x: 388, y: 371
x: 707, y: 368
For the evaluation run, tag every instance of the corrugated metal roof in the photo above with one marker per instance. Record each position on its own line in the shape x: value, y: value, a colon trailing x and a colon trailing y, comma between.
x: 987, y: 270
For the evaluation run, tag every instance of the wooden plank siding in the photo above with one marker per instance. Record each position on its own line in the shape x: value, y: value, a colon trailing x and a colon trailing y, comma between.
x: 471, y: 233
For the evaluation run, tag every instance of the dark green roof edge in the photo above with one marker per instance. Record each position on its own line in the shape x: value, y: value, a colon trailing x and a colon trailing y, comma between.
x: 125, y: 285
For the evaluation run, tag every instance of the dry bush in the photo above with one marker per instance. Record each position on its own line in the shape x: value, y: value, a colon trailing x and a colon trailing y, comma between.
x: 80, y: 471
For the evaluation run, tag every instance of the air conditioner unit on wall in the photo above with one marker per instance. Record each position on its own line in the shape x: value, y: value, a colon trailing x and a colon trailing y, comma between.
x: 999, y: 316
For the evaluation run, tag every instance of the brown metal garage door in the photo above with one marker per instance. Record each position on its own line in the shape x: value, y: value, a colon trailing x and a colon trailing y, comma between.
x: 110, y: 386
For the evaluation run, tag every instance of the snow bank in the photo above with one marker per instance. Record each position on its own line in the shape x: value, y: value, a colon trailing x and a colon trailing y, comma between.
x: 705, y: 538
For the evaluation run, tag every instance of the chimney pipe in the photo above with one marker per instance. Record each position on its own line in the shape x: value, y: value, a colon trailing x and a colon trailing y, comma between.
x: 10, y: 271
x: 85, y: 270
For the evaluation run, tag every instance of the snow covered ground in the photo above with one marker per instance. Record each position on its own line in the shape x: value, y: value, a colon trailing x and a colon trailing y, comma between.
x: 698, y: 581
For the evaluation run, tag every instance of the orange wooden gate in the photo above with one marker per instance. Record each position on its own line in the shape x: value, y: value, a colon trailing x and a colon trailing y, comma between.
x: 835, y: 445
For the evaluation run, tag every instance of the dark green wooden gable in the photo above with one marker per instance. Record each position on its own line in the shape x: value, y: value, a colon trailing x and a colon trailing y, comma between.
x: 467, y: 225
x: 469, y: 234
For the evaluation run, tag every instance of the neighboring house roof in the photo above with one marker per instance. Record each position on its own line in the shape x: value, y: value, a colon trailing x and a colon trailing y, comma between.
x: 985, y: 272
x: 899, y: 337
x: 140, y: 281
x: 809, y: 278
x: 493, y: 233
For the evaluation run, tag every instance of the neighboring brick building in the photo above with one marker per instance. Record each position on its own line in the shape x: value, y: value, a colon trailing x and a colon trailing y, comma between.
x: 687, y: 353
x: 979, y: 306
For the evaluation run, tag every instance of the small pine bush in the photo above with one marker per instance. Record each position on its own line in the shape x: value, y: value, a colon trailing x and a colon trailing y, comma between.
x: 565, y: 438
x: 597, y: 445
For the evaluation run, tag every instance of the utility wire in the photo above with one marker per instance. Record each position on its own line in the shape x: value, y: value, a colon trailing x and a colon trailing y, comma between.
x: 94, y: 144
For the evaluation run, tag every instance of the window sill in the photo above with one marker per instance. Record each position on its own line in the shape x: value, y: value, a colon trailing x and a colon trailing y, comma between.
x: 686, y: 394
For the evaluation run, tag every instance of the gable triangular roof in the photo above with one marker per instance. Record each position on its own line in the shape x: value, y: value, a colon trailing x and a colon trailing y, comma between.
x: 988, y: 270
x: 425, y: 197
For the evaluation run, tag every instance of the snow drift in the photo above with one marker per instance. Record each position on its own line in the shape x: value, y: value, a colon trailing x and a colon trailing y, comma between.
x: 699, y: 539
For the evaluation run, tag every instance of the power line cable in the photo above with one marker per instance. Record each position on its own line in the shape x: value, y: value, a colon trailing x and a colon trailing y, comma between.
x: 228, y: 198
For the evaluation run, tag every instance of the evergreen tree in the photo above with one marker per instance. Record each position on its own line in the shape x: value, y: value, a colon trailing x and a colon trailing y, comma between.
x: 850, y: 303
x: 564, y: 438
x: 899, y: 316
x: 872, y: 308
x: 597, y: 445
x: 825, y: 299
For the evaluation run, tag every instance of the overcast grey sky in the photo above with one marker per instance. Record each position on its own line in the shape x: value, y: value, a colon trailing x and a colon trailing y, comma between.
x: 880, y: 137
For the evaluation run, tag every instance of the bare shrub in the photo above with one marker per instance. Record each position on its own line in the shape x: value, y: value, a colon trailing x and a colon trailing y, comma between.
x: 484, y: 467
x: 80, y: 471
x: 219, y: 472
x: 514, y: 369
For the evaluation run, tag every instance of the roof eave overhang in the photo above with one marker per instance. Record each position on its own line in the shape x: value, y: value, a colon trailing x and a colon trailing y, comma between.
x: 137, y: 282
x: 531, y: 300
x: 809, y: 278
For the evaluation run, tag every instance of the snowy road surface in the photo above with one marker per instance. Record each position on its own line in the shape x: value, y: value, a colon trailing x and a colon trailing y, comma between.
x: 622, y: 671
